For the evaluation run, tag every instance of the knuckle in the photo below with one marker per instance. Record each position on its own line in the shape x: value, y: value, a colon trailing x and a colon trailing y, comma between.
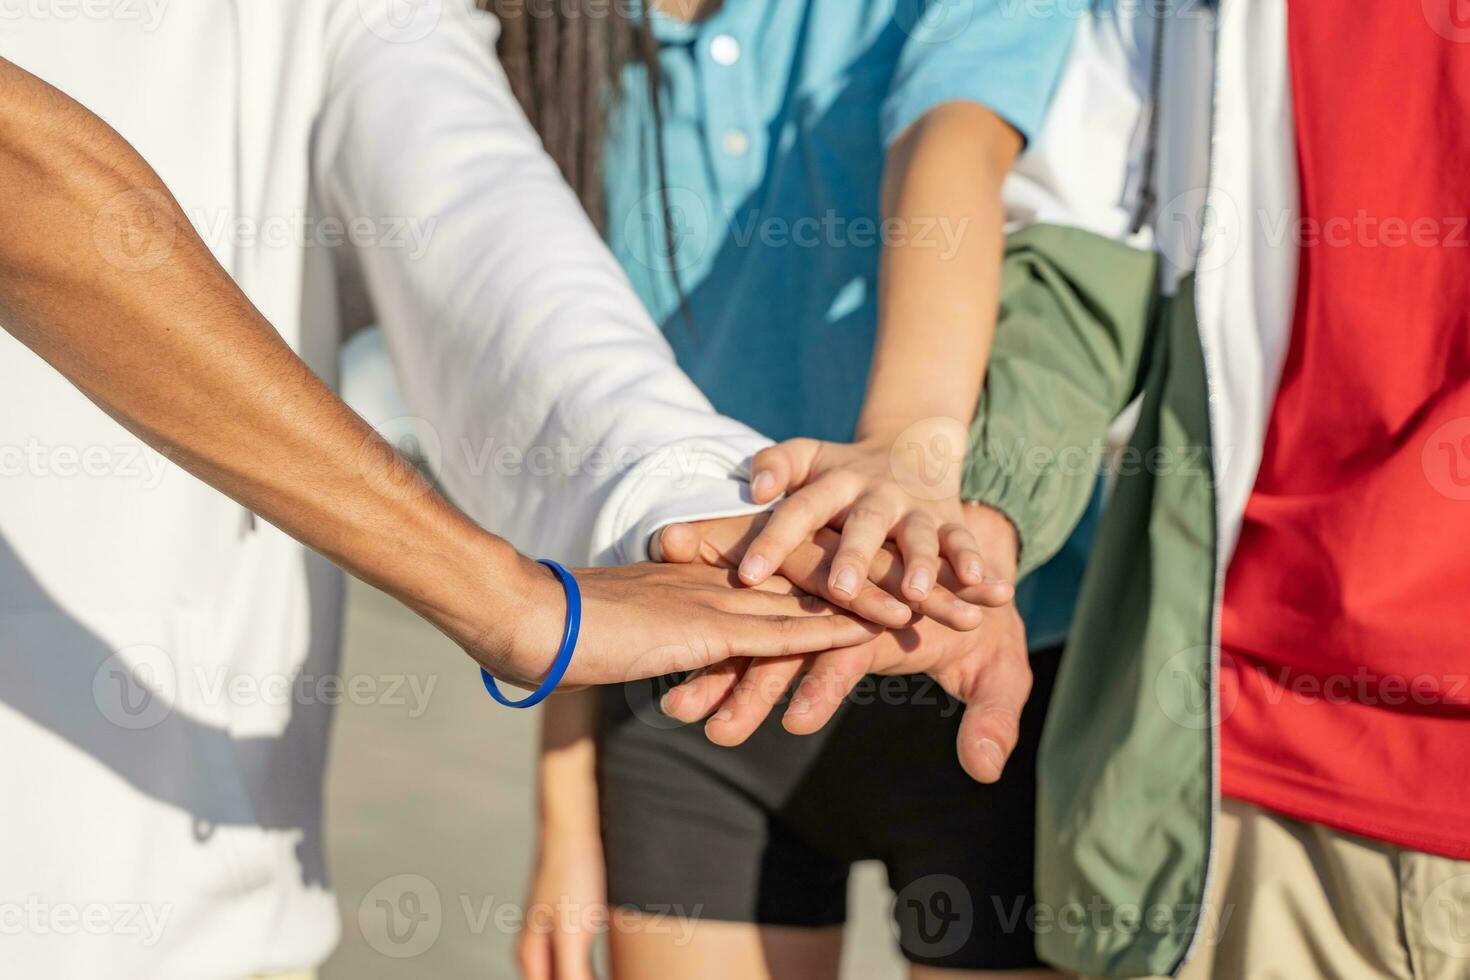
x: 922, y: 517
x: 892, y: 494
x: 797, y: 510
x: 866, y: 511
x: 811, y: 604
x: 744, y: 691
x: 921, y: 529
x: 919, y: 545
x: 785, y: 630
x: 956, y: 533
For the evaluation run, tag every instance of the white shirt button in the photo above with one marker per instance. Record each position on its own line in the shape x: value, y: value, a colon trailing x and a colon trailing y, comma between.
x: 724, y: 49
x: 735, y: 142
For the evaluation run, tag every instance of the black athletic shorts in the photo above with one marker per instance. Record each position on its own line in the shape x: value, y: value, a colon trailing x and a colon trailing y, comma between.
x: 765, y: 833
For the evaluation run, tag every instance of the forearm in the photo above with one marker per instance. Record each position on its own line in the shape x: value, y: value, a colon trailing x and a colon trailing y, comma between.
x: 567, y: 768
x: 1077, y: 312
x: 103, y: 277
x: 939, y: 280
x: 565, y: 421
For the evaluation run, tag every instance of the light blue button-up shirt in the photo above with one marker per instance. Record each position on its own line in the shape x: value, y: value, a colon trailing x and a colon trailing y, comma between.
x: 776, y: 120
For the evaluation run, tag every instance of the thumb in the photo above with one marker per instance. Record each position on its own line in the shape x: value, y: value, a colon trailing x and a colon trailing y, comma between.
x: 680, y: 543
x: 779, y: 468
x: 992, y: 721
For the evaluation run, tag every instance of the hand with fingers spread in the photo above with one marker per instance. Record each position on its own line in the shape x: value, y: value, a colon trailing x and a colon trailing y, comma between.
x: 988, y: 668
x: 902, y: 487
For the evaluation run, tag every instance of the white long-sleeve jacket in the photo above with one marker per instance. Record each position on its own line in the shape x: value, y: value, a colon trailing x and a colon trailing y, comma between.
x: 161, y: 819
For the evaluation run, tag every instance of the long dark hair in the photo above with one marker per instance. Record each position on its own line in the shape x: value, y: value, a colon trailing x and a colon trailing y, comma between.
x: 565, y: 60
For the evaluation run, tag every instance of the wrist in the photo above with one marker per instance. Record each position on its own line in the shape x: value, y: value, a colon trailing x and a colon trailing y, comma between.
x: 528, y: 617
x: 502, y: 608
x: 885, y: 425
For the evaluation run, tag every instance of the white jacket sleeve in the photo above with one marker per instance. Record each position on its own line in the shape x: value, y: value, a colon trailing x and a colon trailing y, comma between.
x: 561, y: 419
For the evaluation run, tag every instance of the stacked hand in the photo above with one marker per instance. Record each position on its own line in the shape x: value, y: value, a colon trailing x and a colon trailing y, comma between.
x: 649, y: 620
x: 983, y: 663
x: 902, y: 487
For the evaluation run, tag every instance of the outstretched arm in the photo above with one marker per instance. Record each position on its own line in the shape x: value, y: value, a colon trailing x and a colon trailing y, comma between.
x: 103, y: 277
x: 938, y: 291
x: 965, y: 96
x: 564, y: 420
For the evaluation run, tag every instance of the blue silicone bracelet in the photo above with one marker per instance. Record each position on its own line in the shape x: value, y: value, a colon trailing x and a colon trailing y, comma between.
x: 563, y: 655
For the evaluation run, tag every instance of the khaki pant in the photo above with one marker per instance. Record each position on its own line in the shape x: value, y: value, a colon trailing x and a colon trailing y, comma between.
x: 1298, y: 900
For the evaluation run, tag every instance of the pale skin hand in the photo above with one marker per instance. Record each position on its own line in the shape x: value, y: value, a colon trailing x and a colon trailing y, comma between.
x: 900, y: 480
x: 877, y: 600
x: 172, y: 350
x: 988, y: 669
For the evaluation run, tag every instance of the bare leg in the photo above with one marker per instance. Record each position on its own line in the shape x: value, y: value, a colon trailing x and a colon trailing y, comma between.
x: 721, y: 950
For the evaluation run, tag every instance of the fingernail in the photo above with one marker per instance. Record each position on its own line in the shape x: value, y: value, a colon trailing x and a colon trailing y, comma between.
x: 764, y: 482
x: 919, y: 582
x: 724, y: 714
x: 670, y: 701
x: 800, y: 706
x: 752, y: 568
x: 973, y: 569
x: 846, y: 582
x: 897, y: 608
x: 993, y: 754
